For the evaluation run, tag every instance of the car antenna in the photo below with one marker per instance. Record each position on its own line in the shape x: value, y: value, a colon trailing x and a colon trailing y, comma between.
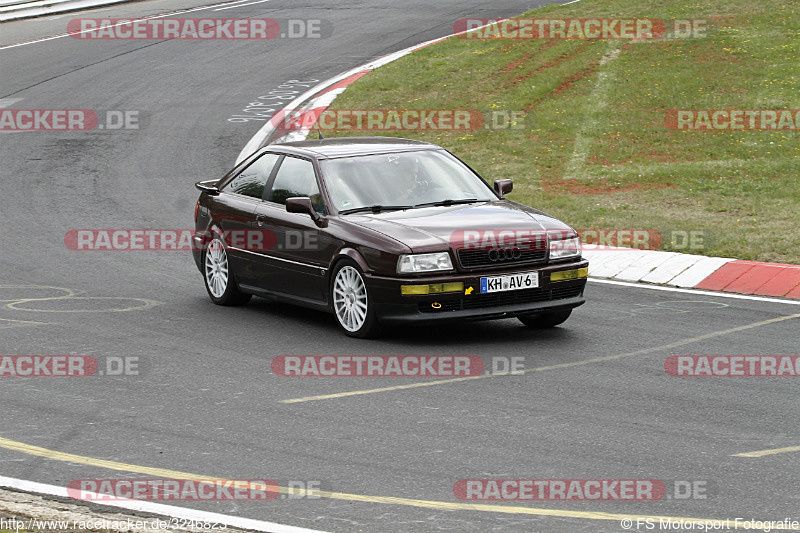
x: 320, y: 133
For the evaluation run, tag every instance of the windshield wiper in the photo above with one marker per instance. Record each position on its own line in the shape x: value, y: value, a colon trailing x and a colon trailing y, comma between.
x: 375, y: 208
x: 448, y: 202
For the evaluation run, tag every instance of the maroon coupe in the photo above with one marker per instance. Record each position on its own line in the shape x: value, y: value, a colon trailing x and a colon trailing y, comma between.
x: 382, y: 231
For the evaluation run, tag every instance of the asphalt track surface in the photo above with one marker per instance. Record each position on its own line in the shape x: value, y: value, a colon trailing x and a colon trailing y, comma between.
x: 595, y: 402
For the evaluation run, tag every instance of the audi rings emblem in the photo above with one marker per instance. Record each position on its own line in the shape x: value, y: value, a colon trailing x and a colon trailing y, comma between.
x: 505, y: 254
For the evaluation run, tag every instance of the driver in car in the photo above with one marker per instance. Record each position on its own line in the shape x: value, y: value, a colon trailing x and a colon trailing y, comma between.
x: 412, y: 179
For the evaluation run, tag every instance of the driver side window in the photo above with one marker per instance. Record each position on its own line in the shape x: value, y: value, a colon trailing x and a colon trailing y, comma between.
x: 296, y: 177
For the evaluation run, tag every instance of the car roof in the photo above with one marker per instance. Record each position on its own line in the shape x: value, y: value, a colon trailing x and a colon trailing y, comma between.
x: 354, y: 146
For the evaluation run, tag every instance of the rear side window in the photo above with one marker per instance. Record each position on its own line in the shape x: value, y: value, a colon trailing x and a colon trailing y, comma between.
x: 296, y: 177
x: 253, y: 179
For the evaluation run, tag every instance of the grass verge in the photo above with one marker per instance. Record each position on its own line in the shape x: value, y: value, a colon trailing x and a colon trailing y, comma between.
x: 593, y: 148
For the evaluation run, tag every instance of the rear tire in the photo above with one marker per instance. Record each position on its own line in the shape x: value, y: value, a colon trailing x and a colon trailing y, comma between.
x: 219, y: 280
x: 545, y: 320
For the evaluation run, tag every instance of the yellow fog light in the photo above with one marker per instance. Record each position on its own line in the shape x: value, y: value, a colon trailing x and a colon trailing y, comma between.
x: 447, y: 287
x: 414, y: 289
x: 435, y: 288
x: 569, y: 274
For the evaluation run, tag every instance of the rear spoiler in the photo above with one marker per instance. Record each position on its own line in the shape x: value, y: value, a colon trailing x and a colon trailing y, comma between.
x: 208, y: 187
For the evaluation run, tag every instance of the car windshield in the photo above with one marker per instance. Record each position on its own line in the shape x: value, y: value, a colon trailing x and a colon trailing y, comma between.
x: 407, y: 179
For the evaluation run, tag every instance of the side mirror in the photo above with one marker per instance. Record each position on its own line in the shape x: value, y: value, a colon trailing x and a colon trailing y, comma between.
x: 302, y: 204
x: 208, y: 187
x: 503, y: 187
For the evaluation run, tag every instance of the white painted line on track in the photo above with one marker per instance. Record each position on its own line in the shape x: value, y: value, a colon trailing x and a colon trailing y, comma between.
x: 240, y: 5
x: 159, y: 508
x: 5, y: 102
x: 128, y: 21
x: 773, y: 451
x: 696, y: 291
x: 236, y: 2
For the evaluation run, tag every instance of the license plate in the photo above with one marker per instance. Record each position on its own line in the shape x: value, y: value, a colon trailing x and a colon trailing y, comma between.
x: 512, y: 282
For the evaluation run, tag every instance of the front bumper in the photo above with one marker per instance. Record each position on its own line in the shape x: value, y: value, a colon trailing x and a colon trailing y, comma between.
x: 393, y: 307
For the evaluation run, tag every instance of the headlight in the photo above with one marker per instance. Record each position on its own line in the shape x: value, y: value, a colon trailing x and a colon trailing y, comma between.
x: 561, y: 248
x: 411, y: 263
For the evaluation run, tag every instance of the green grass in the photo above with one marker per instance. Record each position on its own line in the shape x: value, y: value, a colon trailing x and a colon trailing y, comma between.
x: 742, y: 188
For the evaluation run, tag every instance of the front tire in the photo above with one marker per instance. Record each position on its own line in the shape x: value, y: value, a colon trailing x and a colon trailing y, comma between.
x: 352, y: 306
x: 545, y: 320
x: 220, y: 284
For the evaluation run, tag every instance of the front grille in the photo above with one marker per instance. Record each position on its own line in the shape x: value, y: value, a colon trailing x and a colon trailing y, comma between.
x: 498, y: 299
x: 499, y: 257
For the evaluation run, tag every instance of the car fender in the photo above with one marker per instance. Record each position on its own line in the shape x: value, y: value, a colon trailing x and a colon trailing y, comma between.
x: 198, y: 248
x: 350, y: 253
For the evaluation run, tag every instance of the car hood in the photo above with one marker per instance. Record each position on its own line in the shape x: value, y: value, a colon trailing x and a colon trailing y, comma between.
x: 431, y: 229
